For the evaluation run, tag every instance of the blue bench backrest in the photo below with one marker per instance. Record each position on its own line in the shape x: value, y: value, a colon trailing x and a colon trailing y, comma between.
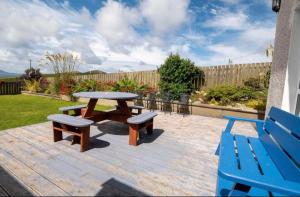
x: 281, y: 139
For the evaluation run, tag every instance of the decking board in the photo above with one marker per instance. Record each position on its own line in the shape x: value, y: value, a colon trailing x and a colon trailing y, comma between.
x: 180, y: 161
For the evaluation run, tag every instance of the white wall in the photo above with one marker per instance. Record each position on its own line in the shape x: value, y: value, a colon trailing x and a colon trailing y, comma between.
x: 292, y: 79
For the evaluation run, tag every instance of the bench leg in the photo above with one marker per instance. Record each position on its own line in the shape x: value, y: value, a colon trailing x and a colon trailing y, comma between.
x: 149, y: 128
x: 133, y: 134
x: 57, y: 134
x: 75, y: 140
x: 139, y: 111
x: 84, y: 139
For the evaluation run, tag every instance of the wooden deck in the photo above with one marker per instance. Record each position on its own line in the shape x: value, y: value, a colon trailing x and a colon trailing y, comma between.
x: 178, y: 159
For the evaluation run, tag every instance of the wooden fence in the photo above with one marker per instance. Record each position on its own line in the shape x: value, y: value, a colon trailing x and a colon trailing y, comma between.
x: 234, y: 74
x: 10, y: 88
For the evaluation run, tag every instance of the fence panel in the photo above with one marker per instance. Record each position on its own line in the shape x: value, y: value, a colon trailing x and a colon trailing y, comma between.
x: 7, y: 88
x: 234, y: 74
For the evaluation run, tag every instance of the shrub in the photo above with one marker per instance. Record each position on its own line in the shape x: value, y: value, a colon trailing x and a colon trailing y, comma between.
x: 176, y: 75
x: 228, y: 94
x: 32, y: 74
x: 267, y: 79
x: 66, y: 87
x: 32, y: 86
x: 257, y: 104
x: 128, y: 85
x: 85, y: 86
x: 44, y: 84
x: 105, y: 86
x: 254, y: 83
x: 64, y: 68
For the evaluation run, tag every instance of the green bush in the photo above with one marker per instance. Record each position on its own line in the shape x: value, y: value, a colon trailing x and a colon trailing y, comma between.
x: 128, y: 85
x: 257, y: 104
x: 254, y: 83
x: 176, y: 75
x: 267, y: 79
x: 85, y: 86
x: 32, y: 86
x: 228, y: 94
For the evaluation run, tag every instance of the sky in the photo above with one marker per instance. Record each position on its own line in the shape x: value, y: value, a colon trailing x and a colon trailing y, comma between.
x: 134, y: 35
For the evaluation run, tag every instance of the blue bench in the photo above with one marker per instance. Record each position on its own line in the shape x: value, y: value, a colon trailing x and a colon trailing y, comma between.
x: 264, y: 166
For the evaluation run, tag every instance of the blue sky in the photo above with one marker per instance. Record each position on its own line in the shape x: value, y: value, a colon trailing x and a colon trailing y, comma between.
x: 129, y: 35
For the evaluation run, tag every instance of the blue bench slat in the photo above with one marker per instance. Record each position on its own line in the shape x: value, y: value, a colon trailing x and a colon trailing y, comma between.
x: 227, y: 151
x: 266, y: 163
x: 247, y: 161
x: 282, y: 162
x: 229, y: 171
x: 286, y: 119
x: 287, y: 141
x: 141, y: 118
x: 70, y: 120
x: 67, y: 108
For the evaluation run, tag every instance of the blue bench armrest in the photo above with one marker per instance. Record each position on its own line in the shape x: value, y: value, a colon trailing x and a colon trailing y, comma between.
x: 232, y: 119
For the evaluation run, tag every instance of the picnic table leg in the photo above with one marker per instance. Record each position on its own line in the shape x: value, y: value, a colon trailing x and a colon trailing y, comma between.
x: 149, y: 128
x: 133, y: 134
x: 123, y: 107
x: 87, y: 112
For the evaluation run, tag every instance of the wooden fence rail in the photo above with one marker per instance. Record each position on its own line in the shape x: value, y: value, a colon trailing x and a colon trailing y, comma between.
x: 234, y: 74
x: 10, y: 88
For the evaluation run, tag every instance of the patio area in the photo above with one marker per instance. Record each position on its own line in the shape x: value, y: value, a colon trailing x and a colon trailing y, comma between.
x: 178, y: 159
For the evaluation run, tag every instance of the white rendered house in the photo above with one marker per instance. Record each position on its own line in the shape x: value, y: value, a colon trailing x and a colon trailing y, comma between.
x: 284, y: 90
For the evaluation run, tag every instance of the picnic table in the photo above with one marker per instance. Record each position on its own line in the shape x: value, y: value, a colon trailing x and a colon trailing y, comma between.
x: 121, y: 114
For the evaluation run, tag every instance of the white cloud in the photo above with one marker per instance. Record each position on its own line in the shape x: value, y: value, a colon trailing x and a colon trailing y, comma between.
x: 227, y: 20
x: 109, y: 40
x: 231, y: 1
x: 115, y: 22
x: 165, y: 16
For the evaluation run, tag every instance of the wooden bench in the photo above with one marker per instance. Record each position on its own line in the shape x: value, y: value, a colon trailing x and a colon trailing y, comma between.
x: 136, y: 107
x: 76, y: 126
x: 265, y: 166
x: 144, y: 120
x: 76, y: 108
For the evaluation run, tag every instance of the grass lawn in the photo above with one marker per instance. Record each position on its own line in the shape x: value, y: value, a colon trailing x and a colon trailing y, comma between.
x: 20, y: 110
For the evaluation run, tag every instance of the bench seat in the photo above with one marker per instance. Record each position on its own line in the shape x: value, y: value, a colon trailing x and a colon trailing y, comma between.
x: 76, y: 108
x: 267, y: 165
x: 70, y: 120
x: 245, y: 160
x: 144, y: 120
x: 137, y: 107
x: 77, y: 126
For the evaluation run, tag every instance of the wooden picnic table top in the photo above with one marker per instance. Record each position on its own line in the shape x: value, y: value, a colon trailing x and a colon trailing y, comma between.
x: 106, y: 95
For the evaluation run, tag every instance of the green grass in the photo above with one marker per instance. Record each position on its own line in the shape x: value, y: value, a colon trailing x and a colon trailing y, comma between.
x: 21, y: 110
